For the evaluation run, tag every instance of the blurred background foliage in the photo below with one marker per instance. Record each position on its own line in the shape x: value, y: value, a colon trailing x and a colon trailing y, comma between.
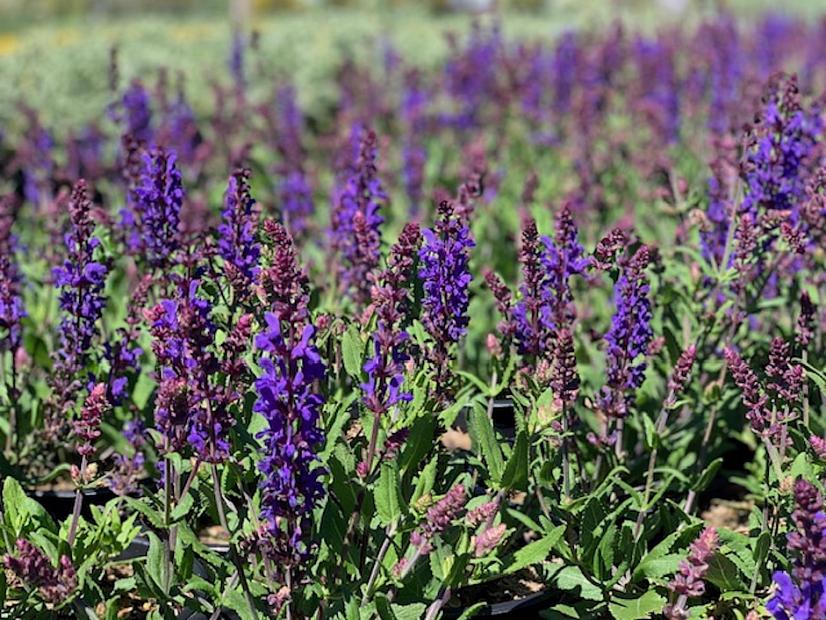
x: 54, y: 54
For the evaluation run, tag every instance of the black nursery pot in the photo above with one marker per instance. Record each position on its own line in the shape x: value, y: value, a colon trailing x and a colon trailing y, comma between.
x: 502, y: 417
x: 60, y: 504
x: 527, y: 607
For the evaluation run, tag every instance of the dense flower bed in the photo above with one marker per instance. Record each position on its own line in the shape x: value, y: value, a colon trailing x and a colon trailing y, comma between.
x: 543, y: 324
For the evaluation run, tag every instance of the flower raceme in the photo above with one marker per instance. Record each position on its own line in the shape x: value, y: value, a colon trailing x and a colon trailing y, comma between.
x: 31, y: 567
x: 799, y: 593
x: 629, y: 335
x: 152, y: 218
x: 385, y: 368
x: 688, y: 582
x: 237, y: 243
x: 288, y: 398
x: 444, y: 270
x: 12, y: 310
x: 81, y: 279
x: 190, y: 409
x: 356, y: 221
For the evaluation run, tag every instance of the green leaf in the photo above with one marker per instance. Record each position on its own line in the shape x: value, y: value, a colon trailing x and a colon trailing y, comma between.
x: 155, y: 517
x: 535, y: 552
x: 650, y: 432
x: 14, y: 499
x: 237, y: 602
x: 426, y: 480
x: 800, y: 467
x: 484, y: 442
x: 571, y: 578
x: 386, y: 494
x: 351, y: 352
x: 483, y: 387
x: 418, y: 444
x: 156, y: 566
x: 761, y: 548
x: 656, y: 568
x: 723, y: 573
x: 708, y: 475
x: 414, y: 611
x: 182, y: 509
x: 516, y: 471
x: 637, y: 608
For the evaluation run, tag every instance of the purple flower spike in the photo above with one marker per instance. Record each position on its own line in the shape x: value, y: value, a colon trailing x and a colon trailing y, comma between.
x: 532, y: 313
x: 87, y: 424
x: 385, y: 369
x: 688, y: 582
x: 444, y: 270
x: 356, y: 221
x: 799, y: 594
x: 137, y: 113
x: 294, y: 189
x: 33, y: 569
x: 153, y: 217
x: 81, y: 280
x: 11, y: 300
x: 289, y: 400
x: 439, y: 518
x: 190, y: 410
x: 776, y: 152
x: 629, y: 336
x: 237, y: 242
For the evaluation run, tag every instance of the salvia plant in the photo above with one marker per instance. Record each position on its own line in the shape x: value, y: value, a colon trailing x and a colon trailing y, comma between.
x: 538, y: 327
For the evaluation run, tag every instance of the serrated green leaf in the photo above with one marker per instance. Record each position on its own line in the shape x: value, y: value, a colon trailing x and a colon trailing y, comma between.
x: 352, y: 350
x: 237, y: 602
x: 386, y: 494
x: 14, y: 501
x: 637, y: 608
x: 183, y: 508
x: 426, y: 480
x: 761, y: 548
x: 414, y: 611
x: 571, y: 578
x: 485, y: 444
x: 655, y: 568
x: 723, y: 573
x: 516, y: 471
x: 535, y: 552
x: 156, y: 565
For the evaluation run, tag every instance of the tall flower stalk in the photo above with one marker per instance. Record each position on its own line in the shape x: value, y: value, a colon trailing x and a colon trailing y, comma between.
x: 799, y: 592
x: 81, y: 280
x: 628, y: 340
x: 444, y: 270
x: 152, y: 218
x: 12, y: 311
x: 386, y: 367
x: 290, y: 401
x: 356, y: 220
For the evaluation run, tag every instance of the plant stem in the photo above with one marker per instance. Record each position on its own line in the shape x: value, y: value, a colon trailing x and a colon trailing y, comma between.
x: 219, y: 502
x: 388, y: 538
x: 649, y: 475
x: 190, y: 479
x: 437, y: 605
x: 78, y: 504
x: 566, y: 463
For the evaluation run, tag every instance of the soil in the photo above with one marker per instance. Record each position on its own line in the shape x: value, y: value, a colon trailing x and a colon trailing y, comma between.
x: 58, y: 484
x: 214, y: 535
x: 454, y: 439
x: 730, y: 514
